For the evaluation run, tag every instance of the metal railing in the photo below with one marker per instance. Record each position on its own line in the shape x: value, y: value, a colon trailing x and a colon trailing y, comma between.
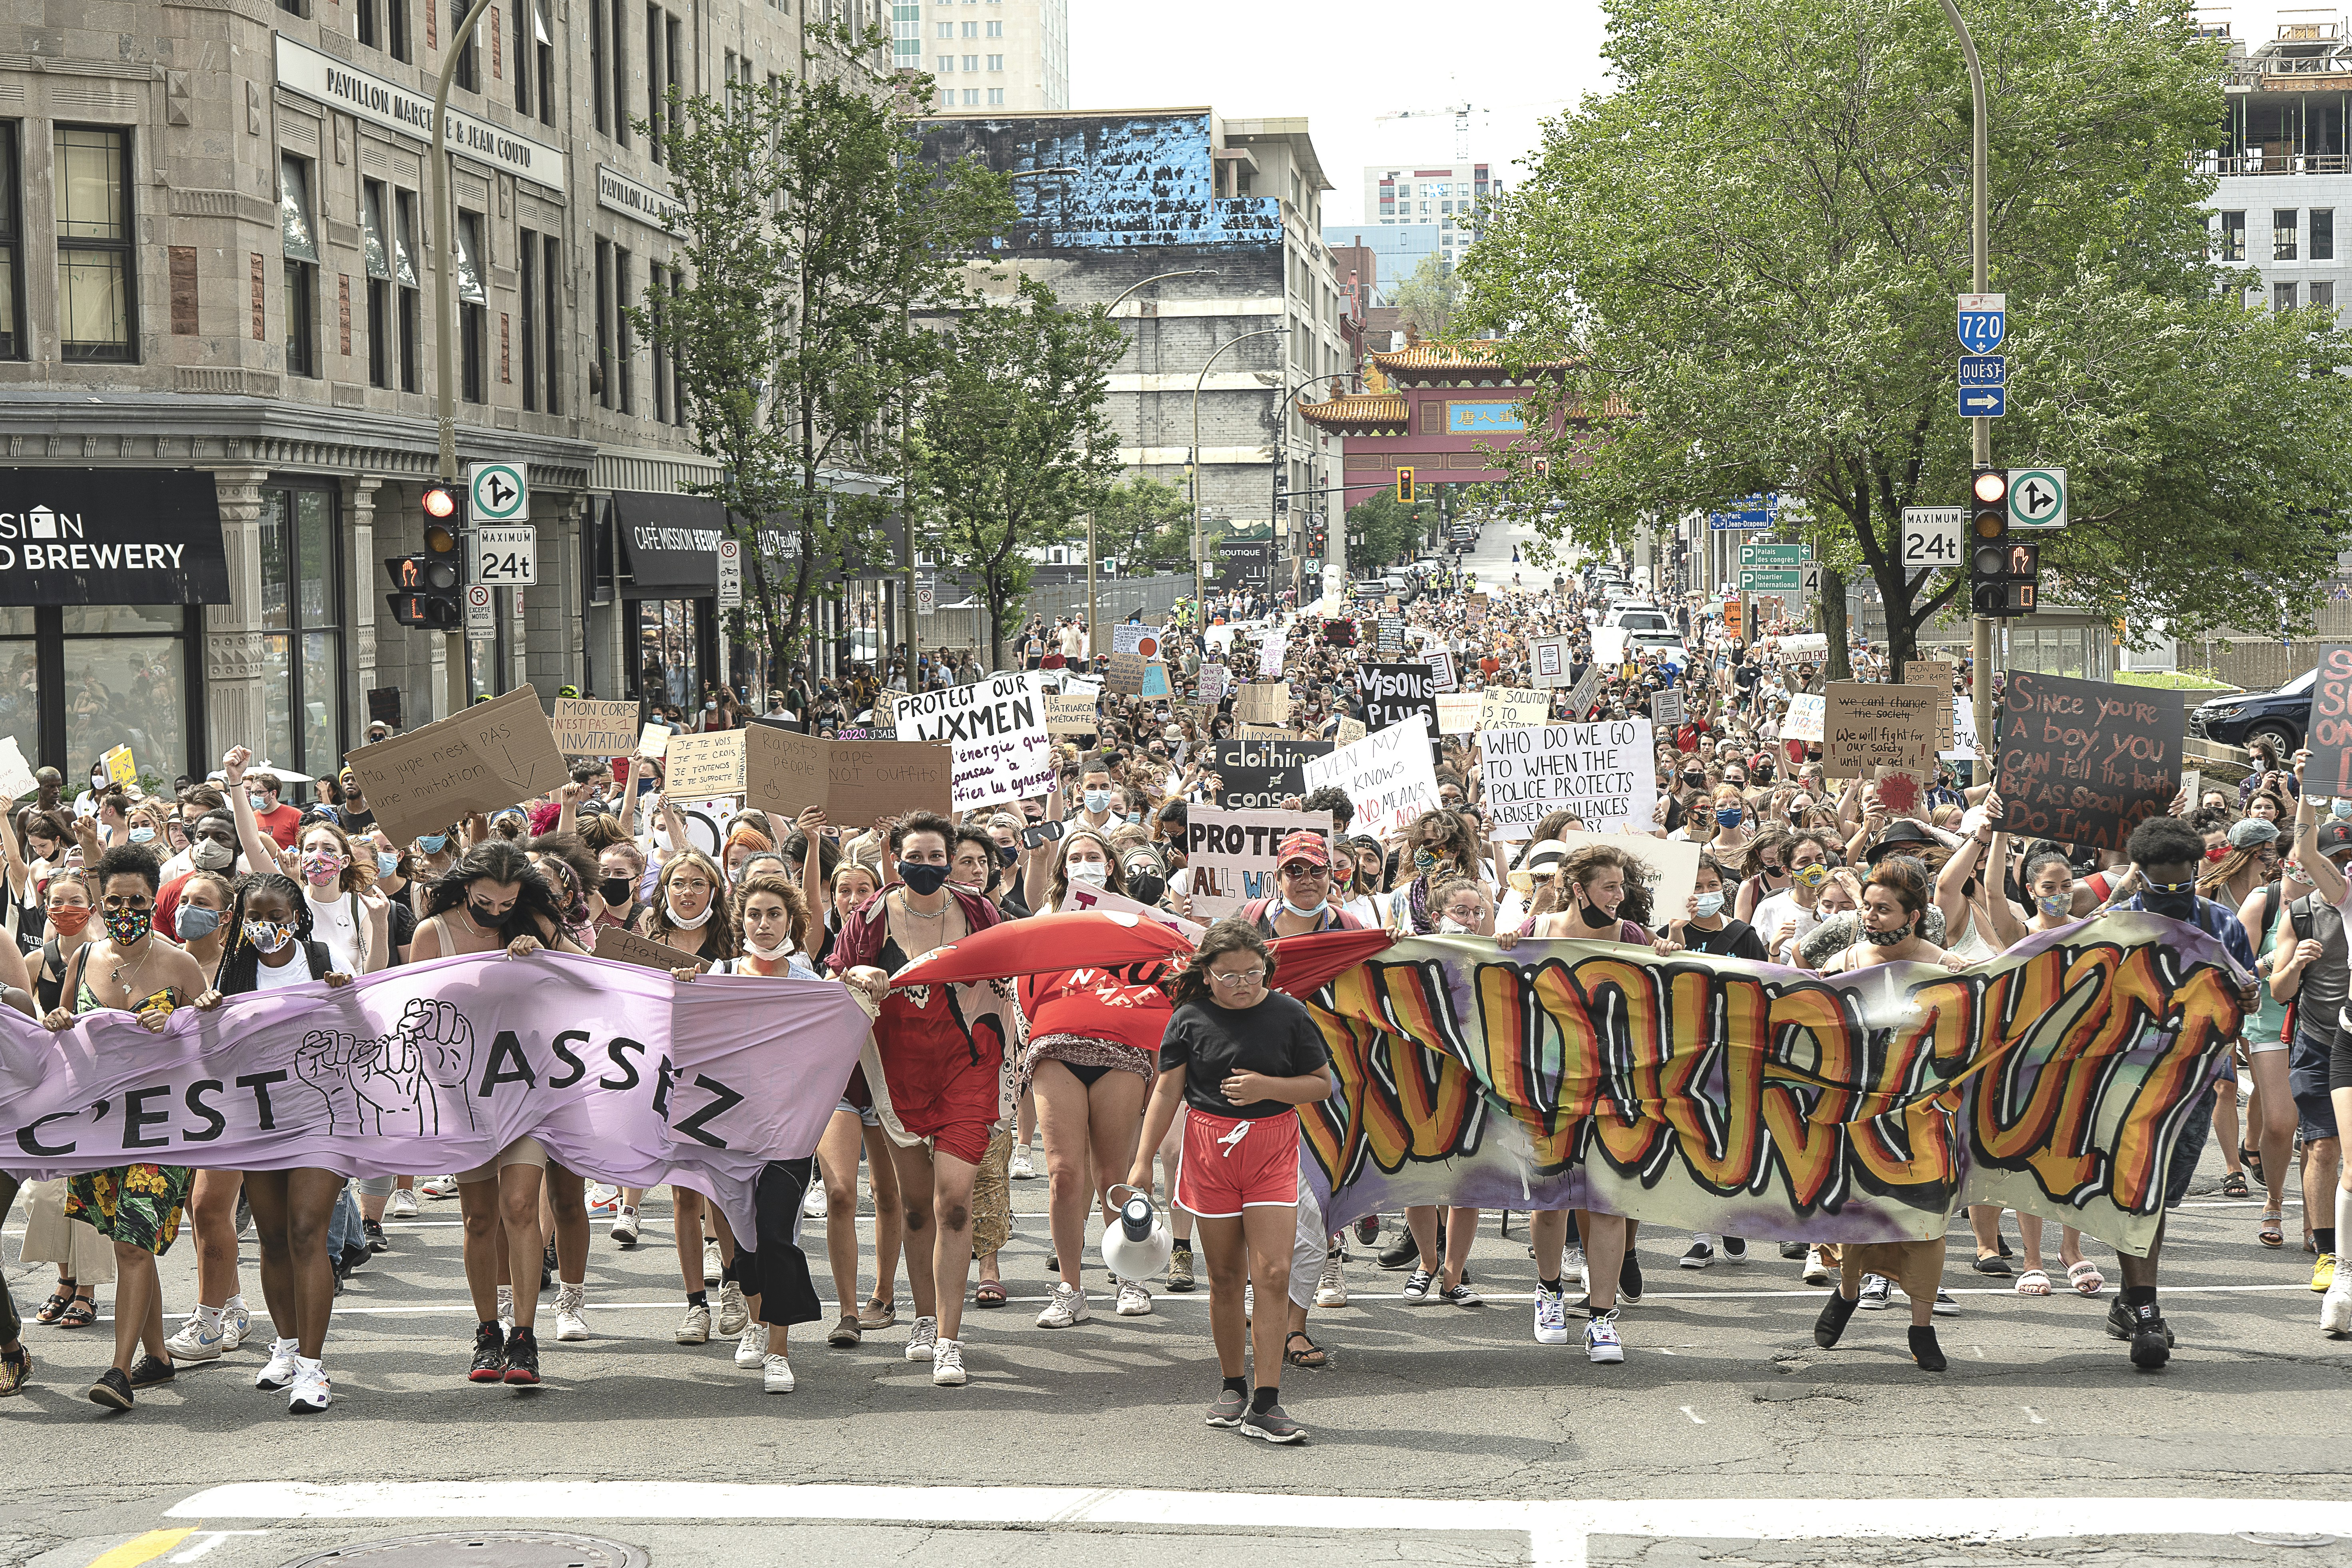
x: 2259, y: 163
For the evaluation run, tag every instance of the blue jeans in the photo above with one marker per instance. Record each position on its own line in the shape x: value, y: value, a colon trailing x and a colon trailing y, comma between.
x: 2188, y: 1149
x: 343, y: 1227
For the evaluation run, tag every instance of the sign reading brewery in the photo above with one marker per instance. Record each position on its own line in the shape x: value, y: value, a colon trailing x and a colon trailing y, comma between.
x: 615, y: 192
x: 387, y: 104
x: 111, y: 536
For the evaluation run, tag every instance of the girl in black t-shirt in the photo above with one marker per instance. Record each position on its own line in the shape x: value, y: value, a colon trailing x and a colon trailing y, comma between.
x: 1240, y: 1058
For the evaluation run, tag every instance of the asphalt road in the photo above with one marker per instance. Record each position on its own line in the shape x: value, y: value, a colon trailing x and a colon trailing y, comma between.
x: 1438, y: 1435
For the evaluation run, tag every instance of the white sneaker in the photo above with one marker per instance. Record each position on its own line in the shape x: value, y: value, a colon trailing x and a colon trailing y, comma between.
x: 1571, y: 1261
x: 1551, y: 1317
x: 236, y: 1323
x: 947, y: 1364
x: 1067, y: 1306
x: 1020, y: 1166
x: 2336, y: 1311
x: 568, y: 1323
x: 310, y: 1392
x: 603, y: 1199
x: 624, y: 1227
x: 734, y: 1312
x: 775, y: 1374
x: 1876, y: 1289
x: 402, y: 1205
x: 925, y: 1336
x: 1600, y: 1341
x: 813, y: 1206
x: 1700, y: 1253
x: 713, y: 1265
x: 1817, y: 1269
x: 202, y: 1338
x: 1331, y: 1285
x: 280, y: 1369
x: 1134, y: 1300
x: 438, y: 1187
x: 752, y: 1345
x: 694, y: 1328
x: 506, y: 1310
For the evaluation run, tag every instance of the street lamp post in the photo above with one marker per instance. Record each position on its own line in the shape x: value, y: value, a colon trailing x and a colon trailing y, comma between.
x: 1200, y: 554
x: 1981, y: 247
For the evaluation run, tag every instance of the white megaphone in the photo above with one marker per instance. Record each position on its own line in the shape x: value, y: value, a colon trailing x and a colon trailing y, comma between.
x: 1135, y: 1245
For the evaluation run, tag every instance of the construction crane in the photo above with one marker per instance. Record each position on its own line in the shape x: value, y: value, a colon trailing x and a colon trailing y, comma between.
x: 1461, y: 113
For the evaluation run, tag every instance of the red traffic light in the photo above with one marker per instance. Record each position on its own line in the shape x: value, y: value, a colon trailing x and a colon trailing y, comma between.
x: 440, y: 501
x: 1992, y: 485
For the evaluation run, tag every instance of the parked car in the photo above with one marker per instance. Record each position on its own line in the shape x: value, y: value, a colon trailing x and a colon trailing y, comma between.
x: 1636, y: 616
x: 2236, y: 720
x: 1667, y: 645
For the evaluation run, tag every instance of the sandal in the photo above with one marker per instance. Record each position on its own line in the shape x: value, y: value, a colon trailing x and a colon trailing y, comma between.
x: 989, y: 1294
x: 79, y: 1313
x: 2234, y: 1185
x: 2033, y: 1282
x: 2272, y: 1232
x: 2085, y: 1278
x: 1312, y: 1356
x: 2253, y: 1160
x: 54, y: 1307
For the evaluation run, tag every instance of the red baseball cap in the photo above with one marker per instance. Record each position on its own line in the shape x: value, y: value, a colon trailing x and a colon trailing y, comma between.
x: 1304, y: 844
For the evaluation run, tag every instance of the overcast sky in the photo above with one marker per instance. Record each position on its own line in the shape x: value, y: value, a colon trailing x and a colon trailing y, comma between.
x: 1515, y: 62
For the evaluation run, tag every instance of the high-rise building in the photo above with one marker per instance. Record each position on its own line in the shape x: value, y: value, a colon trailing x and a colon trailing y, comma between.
x: 1445, y: 195
x: 2282, y: 168
x: 987, y: 55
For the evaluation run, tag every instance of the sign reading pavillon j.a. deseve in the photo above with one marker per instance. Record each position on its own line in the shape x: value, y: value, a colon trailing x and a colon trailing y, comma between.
x: 111, y: 536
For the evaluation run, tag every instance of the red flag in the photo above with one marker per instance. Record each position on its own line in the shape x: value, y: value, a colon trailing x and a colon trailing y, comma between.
x: 1305, y: 965
x: 1044, y: 945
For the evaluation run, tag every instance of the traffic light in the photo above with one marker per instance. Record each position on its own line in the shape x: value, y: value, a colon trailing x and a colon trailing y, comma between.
x: 1404, y: 486
x: 1281, y: 494
x: 1988, y: 541
x: 431, y: 584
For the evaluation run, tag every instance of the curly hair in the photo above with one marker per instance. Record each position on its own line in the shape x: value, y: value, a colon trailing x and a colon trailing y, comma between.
x: 1231, y: 934
x: 1905, y: 878
x: 655, y: 923
x: 358, y: 875
x: 796, y: 910
x: 537, y: 911
x: 575, y: 868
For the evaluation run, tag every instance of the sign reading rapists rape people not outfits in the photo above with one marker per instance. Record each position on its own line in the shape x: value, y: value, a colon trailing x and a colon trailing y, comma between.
x: 493, y: 754
x: 1387, y: 774
x: 854, y: 781
x: 625, y: 1074
x: 997, y: 727
x: 1714, y: 1095
x: 1603, y: 773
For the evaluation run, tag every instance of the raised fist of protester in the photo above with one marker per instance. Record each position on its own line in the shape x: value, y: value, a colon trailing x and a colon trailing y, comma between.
x: 811, y: 821
x: 234, y: 764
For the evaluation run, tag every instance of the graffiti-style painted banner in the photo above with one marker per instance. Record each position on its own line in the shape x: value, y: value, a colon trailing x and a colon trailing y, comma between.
x: 1754, y: 1100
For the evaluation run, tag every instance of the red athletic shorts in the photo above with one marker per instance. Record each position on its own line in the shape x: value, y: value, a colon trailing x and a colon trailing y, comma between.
x: 1230, y: 1166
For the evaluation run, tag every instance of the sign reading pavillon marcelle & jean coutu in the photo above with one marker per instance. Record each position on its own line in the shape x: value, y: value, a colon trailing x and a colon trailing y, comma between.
x: 303, y: 69
x: 111, y: 536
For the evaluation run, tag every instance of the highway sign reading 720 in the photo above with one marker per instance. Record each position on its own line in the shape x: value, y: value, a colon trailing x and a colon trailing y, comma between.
x: 1984, y: 321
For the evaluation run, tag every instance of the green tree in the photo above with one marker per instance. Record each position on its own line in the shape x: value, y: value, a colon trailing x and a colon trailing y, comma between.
x: 1431, y: 297
x: 1754, y: 245
x: 1014, y: 443
x: 1390, y: 531
x: 808, y: 225
x: 1143, y: 521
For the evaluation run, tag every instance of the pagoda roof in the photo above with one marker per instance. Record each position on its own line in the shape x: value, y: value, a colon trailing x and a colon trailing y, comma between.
x: 1473, y: 354
x: 1357, y: 410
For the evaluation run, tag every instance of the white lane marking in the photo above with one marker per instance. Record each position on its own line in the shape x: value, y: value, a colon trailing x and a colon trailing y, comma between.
x: 1556, y: 1530
x: 2033, y: 1417
x: 1694, y: 1415
x: 206, y: 1539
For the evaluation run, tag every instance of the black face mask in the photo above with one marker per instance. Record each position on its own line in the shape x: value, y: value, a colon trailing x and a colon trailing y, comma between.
x: 923, y: 880
x: 1147, y: 888
x: 2172, y: 906
x: 1008, y: 853
x: 616, y: 891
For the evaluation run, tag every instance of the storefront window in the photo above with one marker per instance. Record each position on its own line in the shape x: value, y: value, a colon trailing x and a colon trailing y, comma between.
x: 20, y: 681
x: 668, y: 641
x: 303, y: 644
x: 125, y: 680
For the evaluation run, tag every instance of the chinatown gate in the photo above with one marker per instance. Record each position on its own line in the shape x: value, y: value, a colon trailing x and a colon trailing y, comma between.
x: 1447, y: 411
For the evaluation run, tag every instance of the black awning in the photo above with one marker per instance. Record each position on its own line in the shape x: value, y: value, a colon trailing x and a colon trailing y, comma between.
x: 669, y: 543
x: 111, y: 536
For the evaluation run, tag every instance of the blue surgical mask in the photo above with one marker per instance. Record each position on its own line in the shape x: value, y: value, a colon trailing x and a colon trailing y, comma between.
x: 195, y: 923
x: 258, y: 801
x: 2339, y: 808
x: 1309, y: 913
x: 432, y: 843
x: 1097, y: 800
x: 1135, y: 817
x: 142, y: 834
x: 1729, y: 816
x: 386, y: 864
x: 1708, y: 905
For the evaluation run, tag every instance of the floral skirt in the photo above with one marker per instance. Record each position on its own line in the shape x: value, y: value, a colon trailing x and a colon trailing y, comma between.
x: 140, y: 1205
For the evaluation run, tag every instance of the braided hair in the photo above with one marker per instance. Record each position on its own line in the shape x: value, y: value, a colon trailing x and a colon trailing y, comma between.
x: 240, y: 963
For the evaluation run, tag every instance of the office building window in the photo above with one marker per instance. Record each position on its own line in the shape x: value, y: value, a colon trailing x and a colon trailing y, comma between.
x: 972, y: 62
x: 376, y: 259
x: 653, y: 105
x: 972, y: 98
x: 407, y: 302
x: 527, y: 267
x: 995, y: 96
x: 469, y: 58
x: 656, y: 291
x: 2282, y: 296
x: 12, y: 250
x: 947, y: 29
x: 971, y: 29
x: 2323, y: 234
x: 676, y: 378
x: 2283, y: 233
x: 302, y: 629
x: 600, y: 372
x: 617, y: 39
x: 300, y: 244
x: 996, y: 29
x: 2323, y: 296
x: 396, y: 28
x: 469, y: 259
x: 2230, y: 237
x: 947, y: 64
x: 364, y: 24
x: 996, y: 62
x: 596, y: 64
x: 522, y: 71
x: 551, y: 312
x: 623, y: 298
x: 95, y: 302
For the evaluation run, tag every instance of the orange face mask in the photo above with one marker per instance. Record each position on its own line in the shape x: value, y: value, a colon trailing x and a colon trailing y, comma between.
x: 69, y: 918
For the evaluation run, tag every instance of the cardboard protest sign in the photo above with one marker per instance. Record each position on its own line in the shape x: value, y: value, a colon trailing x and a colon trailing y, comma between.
x: 1604, y: 773
x: 16, y: 775
x: 120, y: 767
x: 1937, y: 673
x: 1870, y: 726
x: 854, y: 781
x: 1155, y: 680
x: 704, y: 764
x: 1128, y: 637
x: 1387, y: 774
x: 1457, y: 713
x: 1231, y: 854
x: 1264, y: 732
x: 1213, y: 681
x: 997, y: 727
x: 1440, y: 668
x: 2330, y: 771
x: 1257, y: 772
x: 1350, y: 732
x: 1068, y: 715
x: 493, y: 754
x: 1666, y: 709
x: 1500, y: 705
x: 1587, y: 692
x: 1548, y: 662
x: 1261, y: 703
x: 627, y: 947
x: 1670, y: 867
x: 2084, y: 761
x: 1395, y: 693
x: 1125, y: 674
x: 1805, y: 718
x: 587, y: 728
x: 1391, y: 633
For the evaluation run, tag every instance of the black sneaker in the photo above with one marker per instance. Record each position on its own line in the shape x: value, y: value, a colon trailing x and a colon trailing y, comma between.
x: 1367, y: 1230
x: 1231, y: 1406
x: 2151, y: 1343
x: 1629, y: 1279
x: 354, y: 1254
x: 1735, y: 1249
x: 111, y: 1390
x: 1792, y: 1251
x: 147, y: 1371
x: 376, y: 1240
x: 522, y: 1356
x: 489, y: 1355
x: 1273, y: 1426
